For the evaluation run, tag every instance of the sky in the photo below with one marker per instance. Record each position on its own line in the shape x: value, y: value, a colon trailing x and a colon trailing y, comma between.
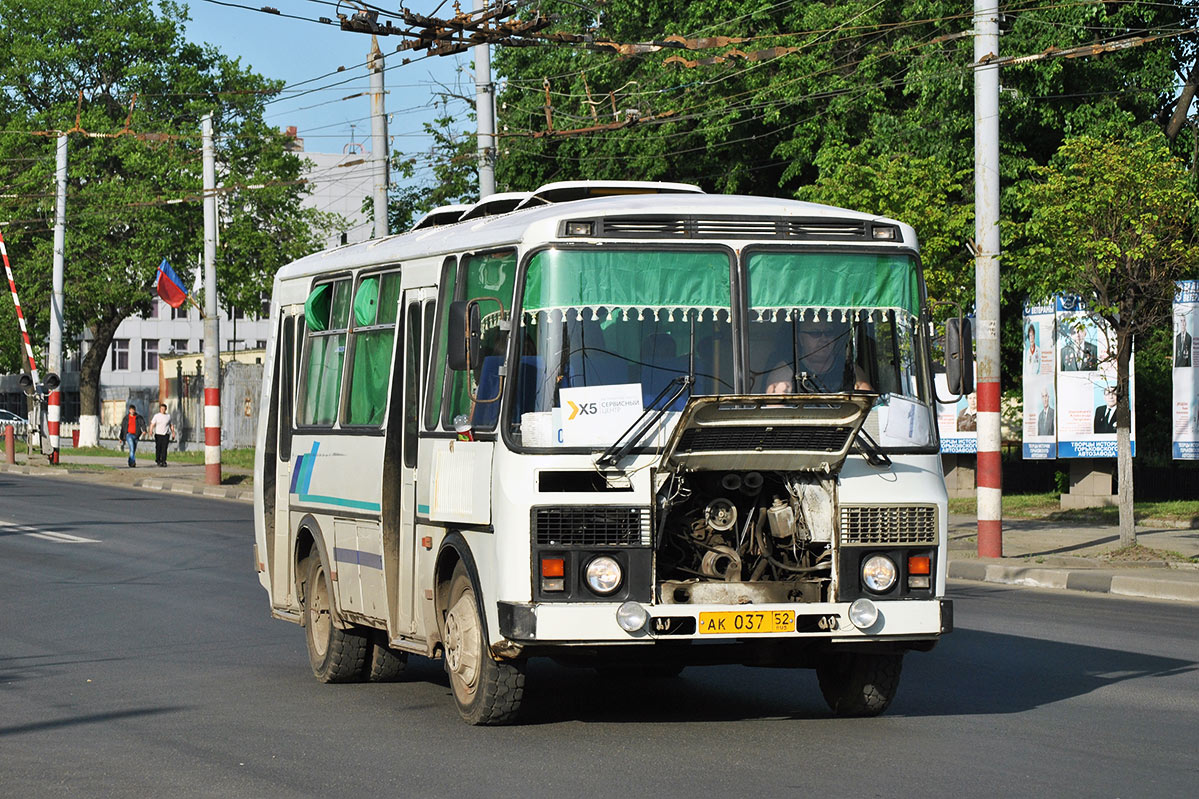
x: 296, y: 50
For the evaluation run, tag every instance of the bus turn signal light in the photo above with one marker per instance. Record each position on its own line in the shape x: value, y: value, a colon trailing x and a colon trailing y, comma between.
x: 919, y: 564
x: 553, y: 573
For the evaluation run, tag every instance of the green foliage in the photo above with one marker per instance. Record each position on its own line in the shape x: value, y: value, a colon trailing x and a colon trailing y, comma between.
x: 1111, y: 220
x: 125, y: 71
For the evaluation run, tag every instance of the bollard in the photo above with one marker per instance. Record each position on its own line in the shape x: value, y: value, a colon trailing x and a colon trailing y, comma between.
x: 10, y: 444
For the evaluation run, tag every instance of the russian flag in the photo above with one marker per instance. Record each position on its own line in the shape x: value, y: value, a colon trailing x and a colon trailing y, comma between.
x: 169, y: 286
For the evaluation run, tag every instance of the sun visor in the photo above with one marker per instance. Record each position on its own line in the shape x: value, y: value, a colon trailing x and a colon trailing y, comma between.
x: 796, y: 432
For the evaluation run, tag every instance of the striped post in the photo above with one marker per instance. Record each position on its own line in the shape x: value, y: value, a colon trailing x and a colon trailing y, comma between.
x: 12, y: 285
x: 53, y: 414
x: 212, y: 436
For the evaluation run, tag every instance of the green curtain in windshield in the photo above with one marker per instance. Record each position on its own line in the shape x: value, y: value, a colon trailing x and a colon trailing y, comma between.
x: 631, y: 282
x: 834, y: 281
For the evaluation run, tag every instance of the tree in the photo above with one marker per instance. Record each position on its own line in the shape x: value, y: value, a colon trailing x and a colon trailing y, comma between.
x: 1112, y: 220
x: 123, y: 70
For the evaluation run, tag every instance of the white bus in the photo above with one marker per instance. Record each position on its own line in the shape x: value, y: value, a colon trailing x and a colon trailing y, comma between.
x: 629, y: 426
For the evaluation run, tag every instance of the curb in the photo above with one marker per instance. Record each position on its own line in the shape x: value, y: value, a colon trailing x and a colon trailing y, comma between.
x: 196, y: 489
x: 1093, y: 581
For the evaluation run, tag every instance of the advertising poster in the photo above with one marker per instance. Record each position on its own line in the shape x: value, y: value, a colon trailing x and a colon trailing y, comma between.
x: 1186, y: 371
x: 957, y: 423
x: 1086, y: 385
x: 1040, y: 392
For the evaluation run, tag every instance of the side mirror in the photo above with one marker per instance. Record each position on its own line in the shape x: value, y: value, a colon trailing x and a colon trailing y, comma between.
x: 463, y: 351
x: 959, y: 356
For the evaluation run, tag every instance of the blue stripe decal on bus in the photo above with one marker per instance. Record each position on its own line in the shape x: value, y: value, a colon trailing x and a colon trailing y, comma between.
x: 302, y: 477
x: 357, y: 556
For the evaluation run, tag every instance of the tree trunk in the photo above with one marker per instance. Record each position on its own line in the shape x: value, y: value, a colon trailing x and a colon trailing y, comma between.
x: 89, y: 380
x: 1128, y: 527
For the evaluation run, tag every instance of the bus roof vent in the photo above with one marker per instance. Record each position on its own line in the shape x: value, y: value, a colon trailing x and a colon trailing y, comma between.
x: 495, y: 204
x: 731, y: 227
x: 567, y: 191
x: 442, y: 215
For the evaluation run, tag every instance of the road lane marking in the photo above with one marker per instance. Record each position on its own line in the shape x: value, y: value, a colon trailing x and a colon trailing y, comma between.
x: 46, y: 535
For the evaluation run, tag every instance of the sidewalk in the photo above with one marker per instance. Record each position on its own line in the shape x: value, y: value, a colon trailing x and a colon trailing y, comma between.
x: 181, y: 478
x: 1036, y: 553
x: 1047, y: 554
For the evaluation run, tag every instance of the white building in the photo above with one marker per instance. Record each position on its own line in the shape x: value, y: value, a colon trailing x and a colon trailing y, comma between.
x: 340, y: 182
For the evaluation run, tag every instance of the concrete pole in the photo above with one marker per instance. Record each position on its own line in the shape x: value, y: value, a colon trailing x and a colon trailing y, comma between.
x: 484, y: 113
x: 212, y: 349
x: 379, y: 151
x: 54, y: 361
x: 986, y: 276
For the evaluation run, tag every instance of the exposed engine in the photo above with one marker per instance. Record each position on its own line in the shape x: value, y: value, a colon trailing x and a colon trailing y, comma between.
x: 745, y: 537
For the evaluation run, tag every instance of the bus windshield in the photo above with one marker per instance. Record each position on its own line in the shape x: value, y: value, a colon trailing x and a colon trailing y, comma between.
x: 605, y: 334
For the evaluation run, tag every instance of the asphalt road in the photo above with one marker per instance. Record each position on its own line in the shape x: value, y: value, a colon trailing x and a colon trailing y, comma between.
x: 141, y: 662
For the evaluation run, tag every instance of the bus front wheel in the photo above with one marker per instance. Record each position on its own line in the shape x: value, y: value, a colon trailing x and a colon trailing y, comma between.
x: 859, y: 683
x: 486, y: 691
x: 336, y: 655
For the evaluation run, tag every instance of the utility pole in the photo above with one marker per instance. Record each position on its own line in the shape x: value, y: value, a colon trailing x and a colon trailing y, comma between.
x: 986, y: 275
x: 54, y: 362
x: 378, y: 139
x: 484, y: 113
x: 212, y: 348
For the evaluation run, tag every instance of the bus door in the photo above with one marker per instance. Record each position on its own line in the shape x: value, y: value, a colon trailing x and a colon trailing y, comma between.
x: 279, y: 533
x: 418, y: 332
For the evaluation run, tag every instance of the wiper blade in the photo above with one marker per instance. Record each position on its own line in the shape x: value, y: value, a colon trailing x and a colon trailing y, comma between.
x: 871, y: 450
x: 613, y: 454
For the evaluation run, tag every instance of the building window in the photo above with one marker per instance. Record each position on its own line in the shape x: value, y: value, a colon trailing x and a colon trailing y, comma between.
x: 266, y: 308
x: 154, y: 306
x: 178, y: 345
x: 260, y: 344
x: 149, y: 355
x: 238, y: 313
x: 180, y: 312
x: 120, y: 355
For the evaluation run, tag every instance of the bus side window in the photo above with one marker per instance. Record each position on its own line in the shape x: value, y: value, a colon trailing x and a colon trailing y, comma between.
x: 372, y: 341
x: 326, y: 315
x: 449, y: 286
x: 287, y: 385
x: 488, y: 275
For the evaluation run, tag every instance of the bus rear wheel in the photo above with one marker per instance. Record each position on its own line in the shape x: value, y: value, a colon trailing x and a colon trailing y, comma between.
x: 486, y: 691
x: 335, y: 655
x: 859, y: 683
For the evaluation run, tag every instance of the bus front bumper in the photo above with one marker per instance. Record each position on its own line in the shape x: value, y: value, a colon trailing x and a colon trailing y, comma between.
x: 582, y: 623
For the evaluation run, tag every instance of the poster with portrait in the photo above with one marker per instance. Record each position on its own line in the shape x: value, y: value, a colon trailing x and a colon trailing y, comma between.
x: 1185, y: 361
x: 1038, y: 344
x: 1086, y: 384
x: 957, y: 421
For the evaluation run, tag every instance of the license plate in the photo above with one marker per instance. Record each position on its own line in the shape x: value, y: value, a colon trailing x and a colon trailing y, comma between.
x: 742, y: 622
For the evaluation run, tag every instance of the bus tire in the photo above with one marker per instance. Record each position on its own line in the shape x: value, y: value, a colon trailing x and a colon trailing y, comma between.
x: 384, y: 664
x: 335, y: 655
x: 859, y: 683
x: 486, y: 691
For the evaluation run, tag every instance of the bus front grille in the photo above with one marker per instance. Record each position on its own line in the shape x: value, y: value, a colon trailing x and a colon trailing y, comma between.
x: 872, y: 525
x: 591, y: 526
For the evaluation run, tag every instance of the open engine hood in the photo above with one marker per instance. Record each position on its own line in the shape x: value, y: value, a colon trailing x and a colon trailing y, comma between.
x: 795, y: 432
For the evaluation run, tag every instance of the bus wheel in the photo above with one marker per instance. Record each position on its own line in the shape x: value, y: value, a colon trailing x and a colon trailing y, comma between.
x: 335, y: 655
x: 486, y: 691
x: 384, y: 664
x: 858, y: 683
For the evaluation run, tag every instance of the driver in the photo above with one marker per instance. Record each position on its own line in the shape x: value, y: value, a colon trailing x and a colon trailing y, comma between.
x: 823, y: 362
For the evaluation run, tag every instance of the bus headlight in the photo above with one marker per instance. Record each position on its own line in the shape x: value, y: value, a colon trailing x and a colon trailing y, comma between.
x: 879, y: 573
x: 602, y: 575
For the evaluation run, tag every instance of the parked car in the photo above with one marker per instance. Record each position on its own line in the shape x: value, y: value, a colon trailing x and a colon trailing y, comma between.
x: 19, y: 423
